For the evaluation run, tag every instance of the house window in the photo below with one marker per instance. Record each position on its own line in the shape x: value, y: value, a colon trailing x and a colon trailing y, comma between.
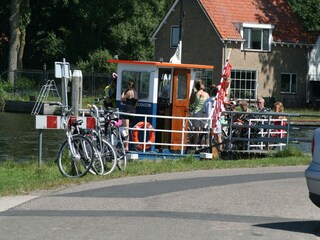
x: 288, y: 83
x: 174, y: 36
x: 243, y: 84
x: 257, y: 37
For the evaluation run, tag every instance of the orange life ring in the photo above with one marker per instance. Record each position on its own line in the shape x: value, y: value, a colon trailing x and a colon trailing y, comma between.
x: 135, y: 134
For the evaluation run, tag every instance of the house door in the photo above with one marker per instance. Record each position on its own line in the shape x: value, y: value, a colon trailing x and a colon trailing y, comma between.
x: 180, y: 104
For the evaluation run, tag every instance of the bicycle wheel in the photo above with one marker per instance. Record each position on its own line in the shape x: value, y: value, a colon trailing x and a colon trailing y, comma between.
x: 121, y: 156
x: 75, y: 159
x: 97, y: 165
x: 108, y: 156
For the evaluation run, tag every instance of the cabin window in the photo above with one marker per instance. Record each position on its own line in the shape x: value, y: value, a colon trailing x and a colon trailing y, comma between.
x: 141, y: 82
x: 174, y: 36
x: 205, y: 76
x: 164, y: 91
x: 243, y: 84
x: 288, y: 83
x: 182, y: 87
x: 258, y: 37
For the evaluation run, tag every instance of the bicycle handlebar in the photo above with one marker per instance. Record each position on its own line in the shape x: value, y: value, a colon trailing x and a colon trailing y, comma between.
x: 97, y: 100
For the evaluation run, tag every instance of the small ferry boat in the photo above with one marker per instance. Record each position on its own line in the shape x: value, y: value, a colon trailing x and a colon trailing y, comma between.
x: 160, y: 124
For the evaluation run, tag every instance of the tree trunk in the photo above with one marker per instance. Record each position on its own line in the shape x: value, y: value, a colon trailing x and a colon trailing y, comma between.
x: 14, y: 39
x: 21, y: 49
x: 23, y: 29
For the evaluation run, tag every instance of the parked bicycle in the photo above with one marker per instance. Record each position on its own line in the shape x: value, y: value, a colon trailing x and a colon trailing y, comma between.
x: 76, y: 154
x: 105, y: 148
x: 116, y: 135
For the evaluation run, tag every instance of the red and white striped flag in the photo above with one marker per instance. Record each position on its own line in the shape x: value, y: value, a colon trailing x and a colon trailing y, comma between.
x: 222, y: 94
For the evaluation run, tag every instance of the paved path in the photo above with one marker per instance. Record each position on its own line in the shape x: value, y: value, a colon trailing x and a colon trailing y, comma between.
x: 262, y: 203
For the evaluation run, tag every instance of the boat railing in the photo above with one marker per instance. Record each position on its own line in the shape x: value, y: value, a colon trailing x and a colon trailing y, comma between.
x: 184, y: 131
x: 264, y: 132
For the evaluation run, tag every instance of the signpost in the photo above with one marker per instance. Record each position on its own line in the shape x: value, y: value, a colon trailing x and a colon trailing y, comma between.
x: 62, y: 70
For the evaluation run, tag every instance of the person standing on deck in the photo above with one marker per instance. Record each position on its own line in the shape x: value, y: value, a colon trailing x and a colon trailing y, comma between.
x: 129, y: 98
x: 200, y: 97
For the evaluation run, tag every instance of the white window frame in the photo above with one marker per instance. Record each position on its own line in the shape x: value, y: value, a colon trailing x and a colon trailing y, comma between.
x: 292, y: 90
x: 174, y: 36
x: 241, y: 84
x: 250, y: 27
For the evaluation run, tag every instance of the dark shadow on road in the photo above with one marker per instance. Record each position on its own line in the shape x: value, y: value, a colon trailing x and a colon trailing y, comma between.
x: 310, y: 227
x: 259, y: 220
x: 153, y: 188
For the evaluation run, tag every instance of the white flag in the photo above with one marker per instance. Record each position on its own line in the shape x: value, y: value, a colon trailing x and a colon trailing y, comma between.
x: 176, y: 58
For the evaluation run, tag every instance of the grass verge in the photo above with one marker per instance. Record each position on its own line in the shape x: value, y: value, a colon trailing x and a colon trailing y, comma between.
x: 18, y: 178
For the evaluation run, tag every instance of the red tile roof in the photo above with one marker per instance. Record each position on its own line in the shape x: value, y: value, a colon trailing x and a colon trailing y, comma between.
x: 224, y: 13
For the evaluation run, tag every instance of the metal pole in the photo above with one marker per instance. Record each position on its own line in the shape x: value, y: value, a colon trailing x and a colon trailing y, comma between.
x: 40, y: 147
x: 64, y: 84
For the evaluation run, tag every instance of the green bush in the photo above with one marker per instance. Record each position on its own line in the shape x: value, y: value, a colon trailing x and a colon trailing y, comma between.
x: 98, y: 60
x: 289, y: 152
x: 25, y: 84
x: 5, y: 89
x: 6, y: 86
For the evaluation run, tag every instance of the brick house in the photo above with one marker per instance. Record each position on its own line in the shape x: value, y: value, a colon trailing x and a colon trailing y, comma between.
x: 270, y: 47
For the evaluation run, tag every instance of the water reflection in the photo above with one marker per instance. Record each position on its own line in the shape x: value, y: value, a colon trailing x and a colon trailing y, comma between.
x: 19, y: 139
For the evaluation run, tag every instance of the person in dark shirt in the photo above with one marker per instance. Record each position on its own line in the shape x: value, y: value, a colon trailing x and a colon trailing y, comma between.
x: 129, y: 98
x: 110, y: 93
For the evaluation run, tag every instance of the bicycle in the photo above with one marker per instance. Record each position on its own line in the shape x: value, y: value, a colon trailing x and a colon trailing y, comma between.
x: 116, y: 134
x: 76, y: 153
x: 105, y: 149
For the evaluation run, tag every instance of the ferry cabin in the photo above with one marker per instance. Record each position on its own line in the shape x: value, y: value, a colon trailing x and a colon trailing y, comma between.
x: 163, y: 89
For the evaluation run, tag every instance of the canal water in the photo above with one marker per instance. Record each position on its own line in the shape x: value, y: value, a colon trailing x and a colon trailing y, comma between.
x: 19, y: 140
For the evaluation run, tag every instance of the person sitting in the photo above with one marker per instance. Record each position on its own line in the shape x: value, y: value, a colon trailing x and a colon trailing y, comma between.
x: 260, y: 105
x: 279, y: 120
x: 242, y: 118
x: 279, y: 108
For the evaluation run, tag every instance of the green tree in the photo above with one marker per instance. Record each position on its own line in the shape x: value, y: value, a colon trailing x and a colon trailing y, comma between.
x: 97, y: 60
x: 74, y: 29
x: 308, y: 11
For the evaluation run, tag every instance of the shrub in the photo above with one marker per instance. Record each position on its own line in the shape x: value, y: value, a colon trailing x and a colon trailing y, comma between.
x: 289, y: 152
x: 5, y: 89
x: 25, y: 84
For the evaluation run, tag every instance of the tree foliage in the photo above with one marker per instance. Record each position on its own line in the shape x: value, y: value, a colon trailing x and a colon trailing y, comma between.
x: 308, y: 11
x: 97, y: 60
x: 76, y: 30
x: 84, y: 31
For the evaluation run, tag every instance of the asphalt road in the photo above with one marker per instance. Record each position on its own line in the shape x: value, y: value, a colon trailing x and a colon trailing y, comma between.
x: 262, y: 203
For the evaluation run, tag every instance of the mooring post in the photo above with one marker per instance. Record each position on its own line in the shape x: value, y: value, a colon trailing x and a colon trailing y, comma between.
x: 77, y: 90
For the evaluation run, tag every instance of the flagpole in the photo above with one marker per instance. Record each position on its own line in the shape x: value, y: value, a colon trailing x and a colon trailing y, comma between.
x: 177, y: 56
x: 181, y: 18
